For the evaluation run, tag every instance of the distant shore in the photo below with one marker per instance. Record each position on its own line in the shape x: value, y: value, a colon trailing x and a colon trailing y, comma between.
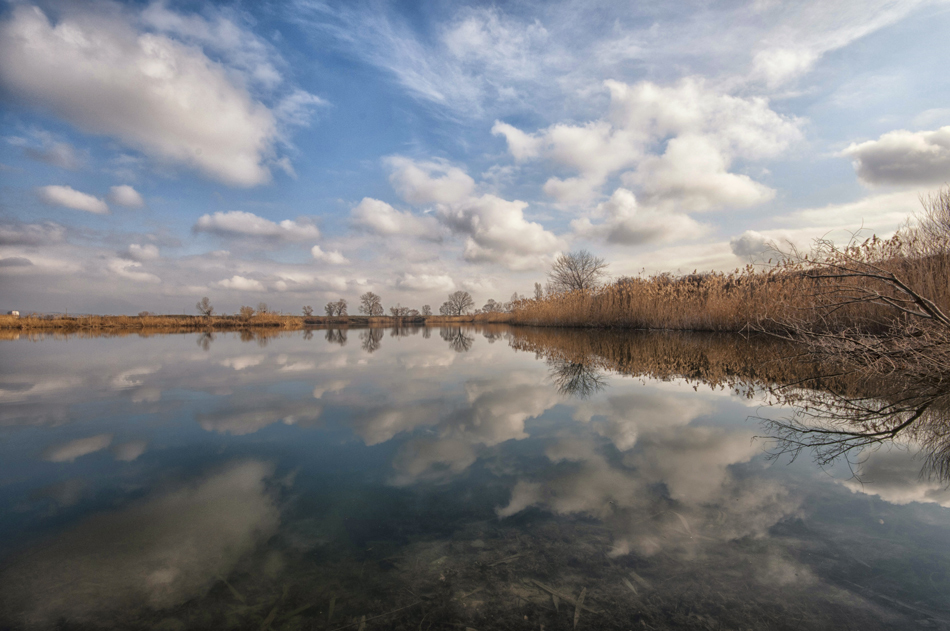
x: 228, y: 322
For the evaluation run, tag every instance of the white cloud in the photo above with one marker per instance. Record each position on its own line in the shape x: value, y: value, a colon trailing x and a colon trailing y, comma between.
x: 297, y: 108
x: 425, y: 282
x: 521, y: 145
x: 32, y: 234
x: 627, y: 224
x: 236, y: 223
x: 125, y: 195
x: 71, y: 198
x: 148, y: 91
x: 498, y: 232
x: 801, y: 34
x: 130, y: 270
x: 752, y: 244
x: 903, y: 157
x: 147, y: 252
x: 700, y: 131
x: 240, y: 283
x: 380, y: 218
x: 333, y: 257
x: 692, y: 174
x: 428, y: 182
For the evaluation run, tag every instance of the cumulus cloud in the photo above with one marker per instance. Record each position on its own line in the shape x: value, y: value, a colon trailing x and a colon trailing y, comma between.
x: 147, y: 90
x: 380, y: 218
x: 236, y: 223
x: 71, y: 198
x: 751, y: 244
x: 147, y: 252
x: 496, y: 231
x: 241, y: 283
x: 429, y: 182
x: 624, y: 223
x: 903, y: 158
x: 700, y: 131
x: 333, y: 257
x: 125, y: 195
x: 521, y: 145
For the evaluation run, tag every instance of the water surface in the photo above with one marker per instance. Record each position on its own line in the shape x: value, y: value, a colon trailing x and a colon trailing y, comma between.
x: 441, y: 478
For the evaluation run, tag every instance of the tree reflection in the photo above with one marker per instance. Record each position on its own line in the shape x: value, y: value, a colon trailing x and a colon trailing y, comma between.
x: 205, y: 339
x: 336, y: 336
x: 834, y: 424
x: 458, y: 340
x: 576, y: 379
x: 371, y: 340
x: 308, y: 334
x: 837, y: 411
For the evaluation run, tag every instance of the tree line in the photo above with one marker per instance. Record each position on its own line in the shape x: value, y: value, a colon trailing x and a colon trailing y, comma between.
x: 574, y: 271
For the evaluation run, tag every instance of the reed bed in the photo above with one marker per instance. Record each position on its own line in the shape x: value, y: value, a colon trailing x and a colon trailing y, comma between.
x: 874, y: 287
x: 842, y: 290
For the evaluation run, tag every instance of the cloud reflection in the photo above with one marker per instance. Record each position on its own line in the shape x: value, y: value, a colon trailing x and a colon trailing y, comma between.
x: 153, y: 555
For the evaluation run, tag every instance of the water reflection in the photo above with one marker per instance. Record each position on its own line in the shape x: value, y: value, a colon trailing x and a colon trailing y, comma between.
x: 241, y: 484
x: 371, y: 340
x: 576, y: 379
x: 458, y: 338
x: 155, y: 554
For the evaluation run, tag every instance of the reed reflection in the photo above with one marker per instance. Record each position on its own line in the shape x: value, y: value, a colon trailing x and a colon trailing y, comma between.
x: 838, y: 412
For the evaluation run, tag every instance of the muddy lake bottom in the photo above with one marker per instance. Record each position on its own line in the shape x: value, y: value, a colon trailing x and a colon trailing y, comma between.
x: 435, y: 478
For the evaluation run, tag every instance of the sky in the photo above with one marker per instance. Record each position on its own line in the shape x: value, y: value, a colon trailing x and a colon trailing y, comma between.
x: 152, y: 153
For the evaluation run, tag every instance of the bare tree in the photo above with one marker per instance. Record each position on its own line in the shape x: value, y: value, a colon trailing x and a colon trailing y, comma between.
x: 371, y: 304
x: 459, y: 302
x: 204, y: 307
x: 538, y: 291
x: 336, y: 308
x: 577, y: 271
x: 246, y: 312
x: 308, y: 311
x: 399, y: 311
x: 262, y: 308
x: 492, y: 306
x: 445, y: 309
x: 426, y: 310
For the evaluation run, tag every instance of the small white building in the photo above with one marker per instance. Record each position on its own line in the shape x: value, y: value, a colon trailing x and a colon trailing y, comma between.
x: 15, y: 314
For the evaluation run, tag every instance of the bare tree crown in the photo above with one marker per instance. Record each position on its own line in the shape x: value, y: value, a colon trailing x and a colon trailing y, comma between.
x: 575, y: 271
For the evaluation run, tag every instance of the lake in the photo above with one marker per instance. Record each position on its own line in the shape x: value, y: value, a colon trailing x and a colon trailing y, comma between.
x: 417, y: 478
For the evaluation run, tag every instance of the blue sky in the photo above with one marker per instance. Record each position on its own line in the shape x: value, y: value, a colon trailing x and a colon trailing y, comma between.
x: 156, y: 152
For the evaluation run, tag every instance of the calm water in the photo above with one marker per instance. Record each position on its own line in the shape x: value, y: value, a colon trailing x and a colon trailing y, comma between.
x: 434, y: 479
